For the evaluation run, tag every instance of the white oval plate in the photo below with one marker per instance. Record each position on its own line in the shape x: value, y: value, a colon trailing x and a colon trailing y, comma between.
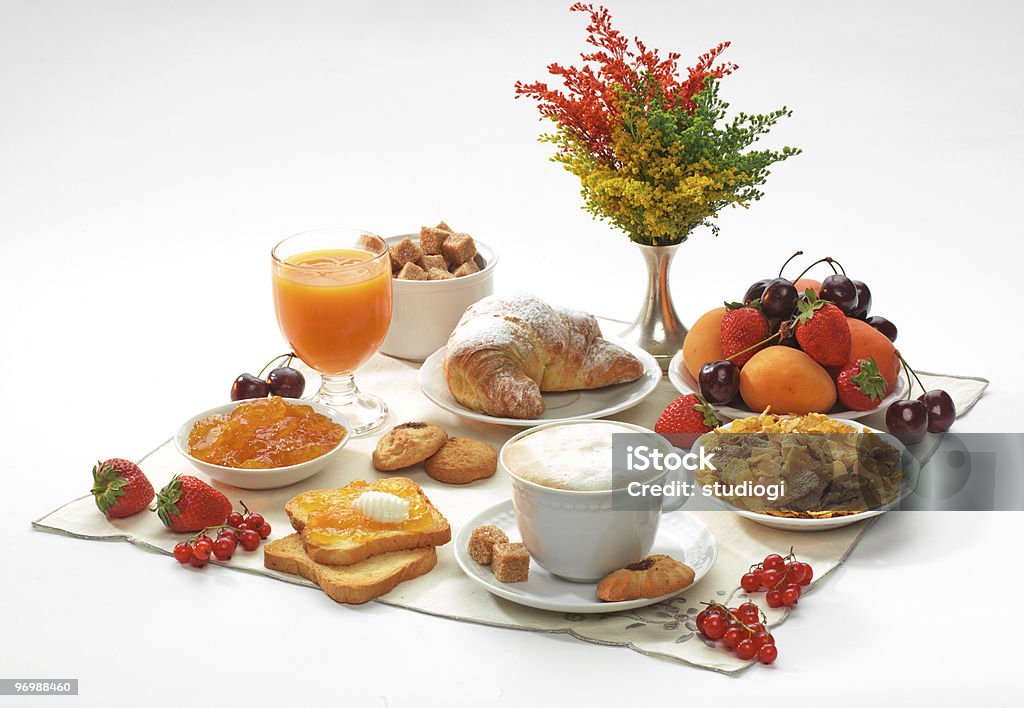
x: 908, y: 460
x: 680, y: 535
x: 271, y: 478
x: 685, y: 383
x: 561, y: 406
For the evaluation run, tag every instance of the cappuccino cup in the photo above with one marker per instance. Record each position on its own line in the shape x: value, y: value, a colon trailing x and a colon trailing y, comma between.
x: 570, y: 497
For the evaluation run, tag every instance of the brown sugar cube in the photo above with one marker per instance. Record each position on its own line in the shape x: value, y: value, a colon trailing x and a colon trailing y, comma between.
x: 467, y: 268
x: 411, y: 271
x: 482, y: 541
x: 458, y: 248
x: 443, y: 226
x: 510, y: 562
x: 431, y: 239
x: 439, y: 274
x: 428, y: 262
x: 405, y: 251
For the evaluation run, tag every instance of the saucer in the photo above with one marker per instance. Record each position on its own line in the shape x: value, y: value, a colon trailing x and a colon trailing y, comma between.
x: 680, y: 535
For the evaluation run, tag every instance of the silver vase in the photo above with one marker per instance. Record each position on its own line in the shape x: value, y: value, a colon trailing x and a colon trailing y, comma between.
x: 657, y: 328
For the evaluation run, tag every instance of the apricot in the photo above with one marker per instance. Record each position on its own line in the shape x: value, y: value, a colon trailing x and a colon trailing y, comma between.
x: 703, y: 342
x: 805, y: 283
x: 788, y: 381
x: 868, y: 342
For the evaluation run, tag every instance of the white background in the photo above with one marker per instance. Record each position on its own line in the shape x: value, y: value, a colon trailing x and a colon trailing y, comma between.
x: 151, y: 153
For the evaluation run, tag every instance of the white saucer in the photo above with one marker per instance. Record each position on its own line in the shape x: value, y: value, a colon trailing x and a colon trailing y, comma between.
x: 567, y: 405
x: 680, y: 535
x: 685, y: 383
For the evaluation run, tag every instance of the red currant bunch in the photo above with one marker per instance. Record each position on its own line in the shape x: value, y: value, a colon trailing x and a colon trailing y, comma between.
x: 245, y: 530
x: 741, y: 629
x: 249, y: 521
x: 780, y: 578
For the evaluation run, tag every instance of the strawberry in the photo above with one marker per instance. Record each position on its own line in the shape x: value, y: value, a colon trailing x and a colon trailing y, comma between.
x: 742, y: 328
x: 120, y: 488
x: 822, y: 331
x: 861, y: 387
x: 686, y: 419
x: 190, y: 504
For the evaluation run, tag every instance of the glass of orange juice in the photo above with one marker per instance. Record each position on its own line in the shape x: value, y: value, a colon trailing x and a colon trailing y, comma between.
x: 332, y: 293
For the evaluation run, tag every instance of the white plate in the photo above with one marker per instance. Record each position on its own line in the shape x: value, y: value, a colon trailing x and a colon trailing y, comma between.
x: 562, y: 406
x: 908, y: 461
x: 271, y: 478
x: 680, y: 535
x: 685, y: 383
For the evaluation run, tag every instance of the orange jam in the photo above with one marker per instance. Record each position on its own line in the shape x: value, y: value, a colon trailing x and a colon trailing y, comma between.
x: 330, y: 516
x: 264, y: 432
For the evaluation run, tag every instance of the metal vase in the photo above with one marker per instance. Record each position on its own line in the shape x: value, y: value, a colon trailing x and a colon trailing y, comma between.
x: 657, y: 328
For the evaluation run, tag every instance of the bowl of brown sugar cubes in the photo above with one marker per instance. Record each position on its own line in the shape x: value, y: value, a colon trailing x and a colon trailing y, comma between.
x: 437, y: 274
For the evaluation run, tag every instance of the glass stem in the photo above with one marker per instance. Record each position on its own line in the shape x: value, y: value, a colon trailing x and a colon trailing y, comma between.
x: 337, y: 390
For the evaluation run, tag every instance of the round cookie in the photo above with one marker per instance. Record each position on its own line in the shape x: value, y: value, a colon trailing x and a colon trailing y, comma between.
x: 407, y: 444
x: 462, y: 460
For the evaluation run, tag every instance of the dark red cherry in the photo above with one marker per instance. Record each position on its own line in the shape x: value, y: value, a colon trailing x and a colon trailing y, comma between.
x: 840, y: 291
x: 287, y: 382
x: 779, y: 299
x: 907, y: 420
x: 941, y: 410
x: 755, y: 290
x: 719, y: 381
x: 248, y: 386
x: 884, y: 326
x: 863, y: 306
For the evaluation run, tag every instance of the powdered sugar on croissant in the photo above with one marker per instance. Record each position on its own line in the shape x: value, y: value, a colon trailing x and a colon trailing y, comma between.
x: 507, y: 349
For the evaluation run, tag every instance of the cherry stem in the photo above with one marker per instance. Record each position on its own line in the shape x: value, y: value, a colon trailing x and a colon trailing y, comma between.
x: 798, y: 253
x: 910, y: 388
x: 827, y: 259
x: 754, y: 346
x: 276, y: 358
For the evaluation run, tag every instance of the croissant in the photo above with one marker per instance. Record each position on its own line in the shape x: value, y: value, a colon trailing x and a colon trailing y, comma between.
x: 507, y: 349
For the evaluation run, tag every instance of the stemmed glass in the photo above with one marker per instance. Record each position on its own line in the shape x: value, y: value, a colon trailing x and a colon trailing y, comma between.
x: 332, y: 293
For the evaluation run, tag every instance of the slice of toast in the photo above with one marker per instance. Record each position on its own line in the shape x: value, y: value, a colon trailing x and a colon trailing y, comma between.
x: 334, y: 533
x: 353, y: 584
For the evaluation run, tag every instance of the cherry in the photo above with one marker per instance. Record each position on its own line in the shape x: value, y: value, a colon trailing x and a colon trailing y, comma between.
x: 754, y: 291
x: 863, y: 306
x: 746, y: 650
x: 183, y: 553
x: 779, y: 299
x: 907, y: 420
x: 250, y: 540
x: 235, y: 519
x: 287, y: 382
x: 884, y: 326
x: 719, y: 381
x: 767, y: 654
x: 248, y: 386
x: 840, y: 291
x: 941, y: 410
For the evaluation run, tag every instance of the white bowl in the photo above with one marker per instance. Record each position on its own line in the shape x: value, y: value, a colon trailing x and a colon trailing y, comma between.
x: 269, y: 478
x: 425, y: 312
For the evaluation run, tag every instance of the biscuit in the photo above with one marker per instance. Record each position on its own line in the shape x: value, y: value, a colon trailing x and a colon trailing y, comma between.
x: 462, y: 460
x: 407, y: 444
x: 482, y: 542
x: 654, y: 576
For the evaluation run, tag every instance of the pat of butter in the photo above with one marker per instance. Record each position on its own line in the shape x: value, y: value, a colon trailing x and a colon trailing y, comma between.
x: 382, y: 507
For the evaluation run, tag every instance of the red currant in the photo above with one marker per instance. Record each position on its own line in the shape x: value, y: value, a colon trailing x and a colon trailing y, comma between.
x: 773, y: 561
x: 748, y: 612
x: 795, y: 572
x: 264, y: 530
x: 250, y: 540
x: 255, y: 521
x: 808, y: 574
x: 756, y: 628
x: 235, y: 519
x: 746, y: 650
x: 750, y: 582
x: 714, y: 626
x: 771, y: 578
x: 223, y: 548
x: 198, y: 562
x: 202, y: 549
x: 773, y: 598
x: 767, y: 653
x: 183, y: 553
x: 790, y: 594
x: 203, y: 537
x: 762, y: 638
x: 733, y: 636
x: 245, y: 526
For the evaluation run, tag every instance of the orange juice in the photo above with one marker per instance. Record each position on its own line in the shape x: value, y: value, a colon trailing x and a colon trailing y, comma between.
x: 333, y: 306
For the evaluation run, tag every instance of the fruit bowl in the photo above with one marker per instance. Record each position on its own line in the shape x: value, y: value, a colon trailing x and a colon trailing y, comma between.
x: 908, y: 462
x: 268, y: 478
x: 685, y: 383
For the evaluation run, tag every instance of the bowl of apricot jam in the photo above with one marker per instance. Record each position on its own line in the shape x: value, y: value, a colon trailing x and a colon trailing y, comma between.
x: 263, y: 443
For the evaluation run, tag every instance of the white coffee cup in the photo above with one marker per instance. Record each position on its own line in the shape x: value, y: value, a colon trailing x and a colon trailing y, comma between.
x: 578, y: 535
